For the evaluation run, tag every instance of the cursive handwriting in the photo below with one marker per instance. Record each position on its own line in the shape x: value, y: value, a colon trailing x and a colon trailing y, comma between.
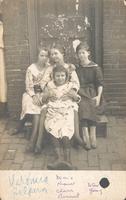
x: 28, y: 191
x: 28, y: 185
x: 15, y: 179
x: 64, y: 181
x: 68, y: 196
x: 65, y: 188
x: 93, y: 187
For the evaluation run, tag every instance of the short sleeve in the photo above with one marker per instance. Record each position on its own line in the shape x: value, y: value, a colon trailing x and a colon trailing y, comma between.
x: 99, y: 77
x: 29, y: 83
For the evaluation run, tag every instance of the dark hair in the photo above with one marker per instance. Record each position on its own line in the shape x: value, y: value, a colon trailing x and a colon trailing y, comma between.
x: 43, y: 49
x: 60, y: 68
x: 58, y: 47
x: 82, y: 46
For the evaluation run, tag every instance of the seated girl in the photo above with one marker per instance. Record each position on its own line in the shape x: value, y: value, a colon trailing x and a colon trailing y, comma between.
x: 37, y: 76
x: 59, y: 121
x: 57, y: 57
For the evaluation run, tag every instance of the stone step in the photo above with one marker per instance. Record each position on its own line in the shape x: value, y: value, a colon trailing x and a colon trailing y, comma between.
x: 101, y: 127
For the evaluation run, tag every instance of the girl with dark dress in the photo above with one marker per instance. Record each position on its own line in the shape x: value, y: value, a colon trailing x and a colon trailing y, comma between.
x: 91, y: 88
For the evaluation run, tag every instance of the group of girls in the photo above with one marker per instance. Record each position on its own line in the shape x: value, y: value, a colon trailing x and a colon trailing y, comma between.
x: 63, y: 100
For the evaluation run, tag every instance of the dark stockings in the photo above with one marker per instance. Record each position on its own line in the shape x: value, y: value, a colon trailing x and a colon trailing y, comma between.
x: 35, y: 125
x: 77, y: 137
x: 66, y: 149
x: 41, y: 129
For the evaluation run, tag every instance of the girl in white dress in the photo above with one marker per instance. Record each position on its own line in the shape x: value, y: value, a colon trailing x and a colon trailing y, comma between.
x: 57, y: 57
x: 37, y: 76
x: 59, y: 121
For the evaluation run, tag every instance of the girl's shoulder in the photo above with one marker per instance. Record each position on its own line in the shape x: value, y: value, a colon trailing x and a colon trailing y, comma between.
x: 96, y: 68
x: 32, y: 68
x: 93, y: 64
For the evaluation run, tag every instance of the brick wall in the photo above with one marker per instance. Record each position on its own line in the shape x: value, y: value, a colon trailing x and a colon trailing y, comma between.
x: 16, y: 51
x: 16, y: 39
x: 114, y: 45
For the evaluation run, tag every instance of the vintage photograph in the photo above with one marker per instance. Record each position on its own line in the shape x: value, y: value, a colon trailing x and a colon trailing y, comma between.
x: 63, y: 85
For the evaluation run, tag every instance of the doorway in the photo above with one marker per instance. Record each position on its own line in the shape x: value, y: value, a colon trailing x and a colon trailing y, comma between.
x: 67, y: 21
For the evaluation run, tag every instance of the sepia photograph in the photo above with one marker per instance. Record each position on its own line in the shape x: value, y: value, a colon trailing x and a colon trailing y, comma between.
x: 62, y: 87
x: 62, y: 99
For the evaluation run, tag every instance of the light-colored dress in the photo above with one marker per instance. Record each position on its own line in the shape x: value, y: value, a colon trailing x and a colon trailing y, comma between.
x: 60, y: 114
x: 3, y: 85
x: 34, y: 77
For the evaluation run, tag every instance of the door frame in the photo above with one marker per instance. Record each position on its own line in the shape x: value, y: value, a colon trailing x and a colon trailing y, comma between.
x: 97, y: 37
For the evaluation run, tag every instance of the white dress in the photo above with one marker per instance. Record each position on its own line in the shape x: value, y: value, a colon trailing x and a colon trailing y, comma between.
x: 3, y: 82
x: 60, y: 114
x: 34, y: 77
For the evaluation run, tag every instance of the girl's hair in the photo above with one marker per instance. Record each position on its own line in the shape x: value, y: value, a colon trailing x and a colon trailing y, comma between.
x: 43, y: 49
x: 82, y: 46
x: 60, y: 68
x: 59, y: 47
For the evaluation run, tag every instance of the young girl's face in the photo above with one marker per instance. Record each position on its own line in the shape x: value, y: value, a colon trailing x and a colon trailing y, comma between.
x: 60, y: 78
x: 83, y: 55
x: 43, y: 57
x: 56, y: 56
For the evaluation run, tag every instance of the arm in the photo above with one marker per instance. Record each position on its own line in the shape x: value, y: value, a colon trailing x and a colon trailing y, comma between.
x: 71, y: 94
x: 30, y: 87
x: 48, y: 95
x: 45, y: 96
x: 29, y: 83
x: 74, y: 79
x: 99, y: 85
x: 100, y: 90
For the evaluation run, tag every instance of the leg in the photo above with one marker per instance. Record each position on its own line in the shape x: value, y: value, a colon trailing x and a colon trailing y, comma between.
x: 67, y: 164
x: 40, y: 131
x: 86, y: 139
x: 33, y: 138
x: 66, y: 149
x: 93, y: 137
x: 76, y: 127
x: 56, y: 146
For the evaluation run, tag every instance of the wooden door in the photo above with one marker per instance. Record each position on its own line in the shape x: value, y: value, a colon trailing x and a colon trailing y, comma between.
x: 65, y: 22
